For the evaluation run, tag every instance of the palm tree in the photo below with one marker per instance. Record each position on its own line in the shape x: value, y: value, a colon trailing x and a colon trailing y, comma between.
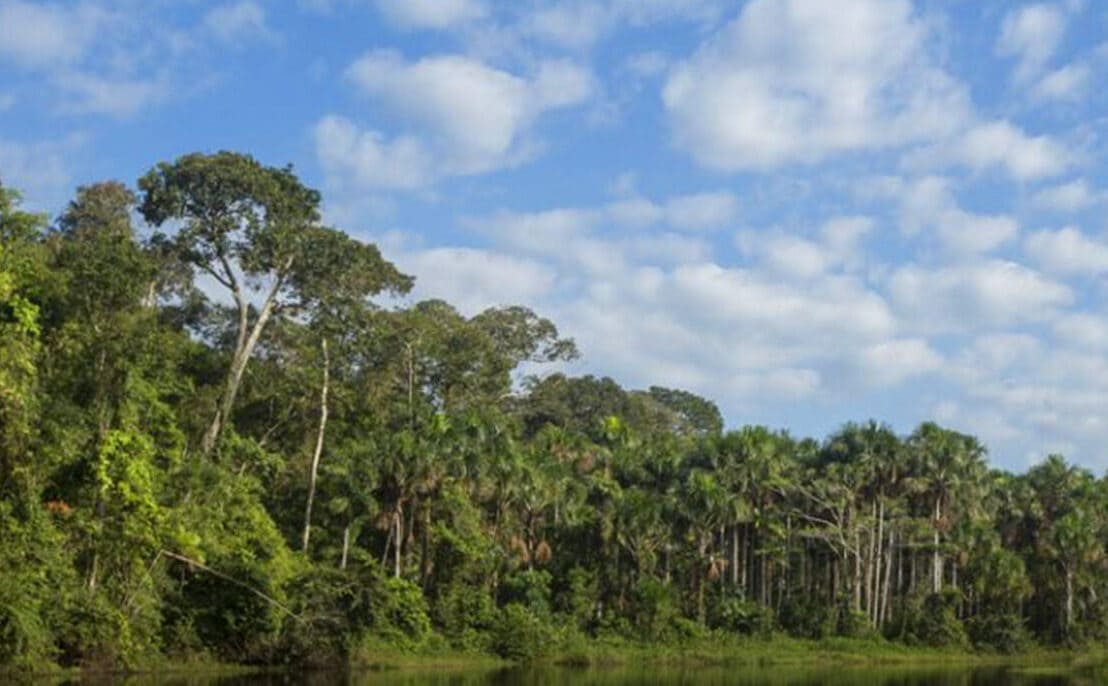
x: 949, y: 465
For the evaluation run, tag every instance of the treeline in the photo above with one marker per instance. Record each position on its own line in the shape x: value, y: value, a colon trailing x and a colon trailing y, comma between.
x: 214, y: 444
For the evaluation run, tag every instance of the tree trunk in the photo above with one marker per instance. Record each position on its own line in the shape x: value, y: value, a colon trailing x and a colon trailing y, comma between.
x: 244, y: 349
x: 345, y: 546
x: 1069, y: 601
x: 398, y: 524
x: 936, y: 557
x: 883, y: 615
x: 318, y: 445
x: 735, y: 556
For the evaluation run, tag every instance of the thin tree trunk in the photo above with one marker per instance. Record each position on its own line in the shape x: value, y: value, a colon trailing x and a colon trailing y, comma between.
x: 244, y: 349
x: 345, y: 546
x: 318, y: 453
x: 1069, y: 600
x: 735, y: 556
x: 936, y: 558
x: 398, y: 523
x: 883, y: 615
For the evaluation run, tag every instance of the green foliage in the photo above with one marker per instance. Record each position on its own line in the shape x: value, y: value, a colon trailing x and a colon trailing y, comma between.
x: 577, y: 600
x: 733, y: 613
x: 1002, y: 632
x: 520, y: 634
x: 804, y: 617
x: 399, y: 613
x: 931, y: 621
x: 529, y: 588
x: 656, y: 609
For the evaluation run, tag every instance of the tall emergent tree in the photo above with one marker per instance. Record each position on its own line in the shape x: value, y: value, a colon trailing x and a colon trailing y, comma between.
x: 256, y: 231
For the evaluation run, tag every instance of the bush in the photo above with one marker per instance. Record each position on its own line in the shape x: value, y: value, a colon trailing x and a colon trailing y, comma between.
x: 529, y: 588
x: 578, y: 598
x: 807, y: 618
x: 932, y: 621
x: 521, y: 635
x: 399, y: 613
x: 655, y: 609
x: 731, y: 612
x: 1003, y: 632
x: 466, y: 615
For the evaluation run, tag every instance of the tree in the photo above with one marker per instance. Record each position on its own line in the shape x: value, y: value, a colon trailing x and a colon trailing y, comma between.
x: 256, y: 231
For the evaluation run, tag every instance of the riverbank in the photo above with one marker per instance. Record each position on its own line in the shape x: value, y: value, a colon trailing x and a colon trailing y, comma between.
x: 725, y: 651
x: 613, y: 652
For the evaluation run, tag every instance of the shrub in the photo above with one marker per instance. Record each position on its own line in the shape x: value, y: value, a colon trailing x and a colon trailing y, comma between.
x: 932, y: 621
x: 807, y: 618
x: 521, y: 635
x: 730, y: 611
x: 1003, y: 632
x: 655, y: 609
x: 530, y: 588
x: 399, y: 613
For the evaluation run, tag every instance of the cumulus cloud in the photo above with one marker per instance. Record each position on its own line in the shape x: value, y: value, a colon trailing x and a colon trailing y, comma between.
x: 238, y: 21
x: 579, y: 24
x: 465, y: 117
x: 1072, y: 196
x: 1082, y: 329
x: 34, y: 34
x: 116, y: 97
x: 1065, y: 83
x: 38, y: 169
x: 1031, y: 35
x: 928, y: 203
x: 698, y: 211
x: 798, y: 82
x: 473, y: 279
x: 1002, y: 145
x: 968, y: 296
x: 367, y: 159
x: 432, y: 14
x: 1068, y: 251
x: 891, y: 362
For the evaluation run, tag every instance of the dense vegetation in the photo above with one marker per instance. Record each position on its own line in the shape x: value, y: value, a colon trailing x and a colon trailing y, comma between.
x: 215, y: 445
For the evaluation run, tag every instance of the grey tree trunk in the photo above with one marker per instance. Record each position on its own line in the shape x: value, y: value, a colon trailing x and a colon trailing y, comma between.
x: 936, y: 557
x: 318, y: 453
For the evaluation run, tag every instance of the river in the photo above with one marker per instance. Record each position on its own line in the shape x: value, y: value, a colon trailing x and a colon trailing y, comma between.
x: 551, y: 676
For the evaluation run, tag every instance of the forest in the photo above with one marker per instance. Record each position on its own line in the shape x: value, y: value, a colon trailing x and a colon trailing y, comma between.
x: 222, y: 438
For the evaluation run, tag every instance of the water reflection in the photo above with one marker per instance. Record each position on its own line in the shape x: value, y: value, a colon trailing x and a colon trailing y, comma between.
x: 760, y: 676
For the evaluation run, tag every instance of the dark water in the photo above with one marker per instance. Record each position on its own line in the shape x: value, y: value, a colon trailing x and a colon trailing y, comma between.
x: 760, y: 676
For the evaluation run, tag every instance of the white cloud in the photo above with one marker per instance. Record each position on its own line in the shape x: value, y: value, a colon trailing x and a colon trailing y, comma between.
x: 786, y: 255
x: 962, y: 297
x: 579, y: 24
x: 698, y: 211
x: 432, y: 14
x: 797, y: 82
x: 116, y: 97
x: 1082, y: 329
x: 39, y: 170
x: 1072, y: 196
x: 891, y: 362
x: 238, y: 22
x: 1068, y: 251
x: 928, y: 203
x: 1065, y: 83
x: 34, y: 34
x: 473, y: 280
x: 1031, y: 35
x: 1001, y: 144
x: 465, y: 117
x: 366, y: 159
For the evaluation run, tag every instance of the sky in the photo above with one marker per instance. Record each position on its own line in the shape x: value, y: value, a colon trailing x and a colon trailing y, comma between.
x: 810, y: 212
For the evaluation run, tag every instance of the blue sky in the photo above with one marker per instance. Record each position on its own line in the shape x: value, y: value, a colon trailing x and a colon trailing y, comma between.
x: 807, y: 211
